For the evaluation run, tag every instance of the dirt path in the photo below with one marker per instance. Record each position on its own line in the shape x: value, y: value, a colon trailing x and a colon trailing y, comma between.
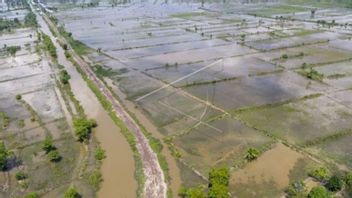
x: 155, y: 185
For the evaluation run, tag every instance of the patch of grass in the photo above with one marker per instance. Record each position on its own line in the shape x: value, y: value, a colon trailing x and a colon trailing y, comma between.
x: 190, y: 15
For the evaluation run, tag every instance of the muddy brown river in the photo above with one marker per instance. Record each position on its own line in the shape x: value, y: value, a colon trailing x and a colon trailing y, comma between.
x: 118, y: 168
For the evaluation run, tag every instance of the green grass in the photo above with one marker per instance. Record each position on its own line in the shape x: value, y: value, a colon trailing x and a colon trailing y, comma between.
x: 278, y: 9
x: 190, y: 15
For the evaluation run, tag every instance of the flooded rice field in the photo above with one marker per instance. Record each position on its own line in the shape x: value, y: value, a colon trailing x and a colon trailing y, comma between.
x: 217, y: 80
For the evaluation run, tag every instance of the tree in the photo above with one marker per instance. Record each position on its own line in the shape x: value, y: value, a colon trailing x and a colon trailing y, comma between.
x: 54, y: 156
x: 83, y: 128
x: 72, y: 193
x: 252, y: 154
x: 319, y: 192
x: 48, y: 145
x: 334, y: 184
x: 4, y: 153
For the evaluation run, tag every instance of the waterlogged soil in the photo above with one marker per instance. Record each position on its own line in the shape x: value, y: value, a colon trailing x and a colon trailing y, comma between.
x: 269, y: 173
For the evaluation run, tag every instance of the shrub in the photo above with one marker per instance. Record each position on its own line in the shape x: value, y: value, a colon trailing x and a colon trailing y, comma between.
x: 296, y: 190
x: 48, y: 145
x: 83, y: 128
x: 64, y: 77
x: 95, y: 179
x: 320, y: 173
x: 18, y: 97
x: 334, y: 184
x: 252, y: 154
x: 54, y: 156
x: 32, y: 195
x: 319, y: 192
x: 72, y: 193
x: 284, y: 56
x: 100, y: 153
x: 21, y: 175
x: 4, y: 153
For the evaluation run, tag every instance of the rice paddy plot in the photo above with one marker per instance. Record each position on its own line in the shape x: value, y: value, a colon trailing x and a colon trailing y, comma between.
x: 271, y: 44
x: 336, y: 69
x: 169, y: 105
x: 192, y: 56
x: 338, y: 150
x: 256, y: 90
x: 228, y: 69
x: 268, y: 177
x: 302, y: 121
x: 225, y: 143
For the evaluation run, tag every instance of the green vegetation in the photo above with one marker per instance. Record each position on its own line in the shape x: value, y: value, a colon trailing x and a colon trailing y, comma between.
x: 54, y: 156
x: 189, y: 15
x: 18, y: 97
x: 218, y: 186
x: 99, y: 153
x: 252, y: 154
x: 78, y: 46
x: 219, y: 183
x: 64, y: 77
x: 8, y: 24
x: 320, y: 173
x: 103, y: 71
x: 83, y: 128
x: 196, y: 192
x: 21, y: 175
x: 12, y: 50
x: 319, y: 192
x: 49, y: 46
x: 335, y: 183
x: 4, y: 154
x: 309, y: 72
x: 297, y: 190
x: 30, y: 20
x: 72, y: 193
x: 47, y: 145
x: 32, y: 195
x: 95, y: 179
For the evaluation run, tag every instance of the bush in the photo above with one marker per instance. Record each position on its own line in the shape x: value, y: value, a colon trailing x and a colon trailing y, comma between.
x: 32, y: 195
x: 64, y: 77
x: 12, y: 50
x: 319, y: 192
x: 48, y: 145
x: 18, y: 97
x: 334, y: 184
x: 95, y: 179
x: 297, y: 190
x: 72, y: 193
x: 100, y: 153
x: 4, y: 153
x: 21, y: 175
x: 284, y: 56
x: 196, y: 192
x: 320, y: 173
x: 54, y: 156
x: 83, y: 128
x: 252, y: 154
